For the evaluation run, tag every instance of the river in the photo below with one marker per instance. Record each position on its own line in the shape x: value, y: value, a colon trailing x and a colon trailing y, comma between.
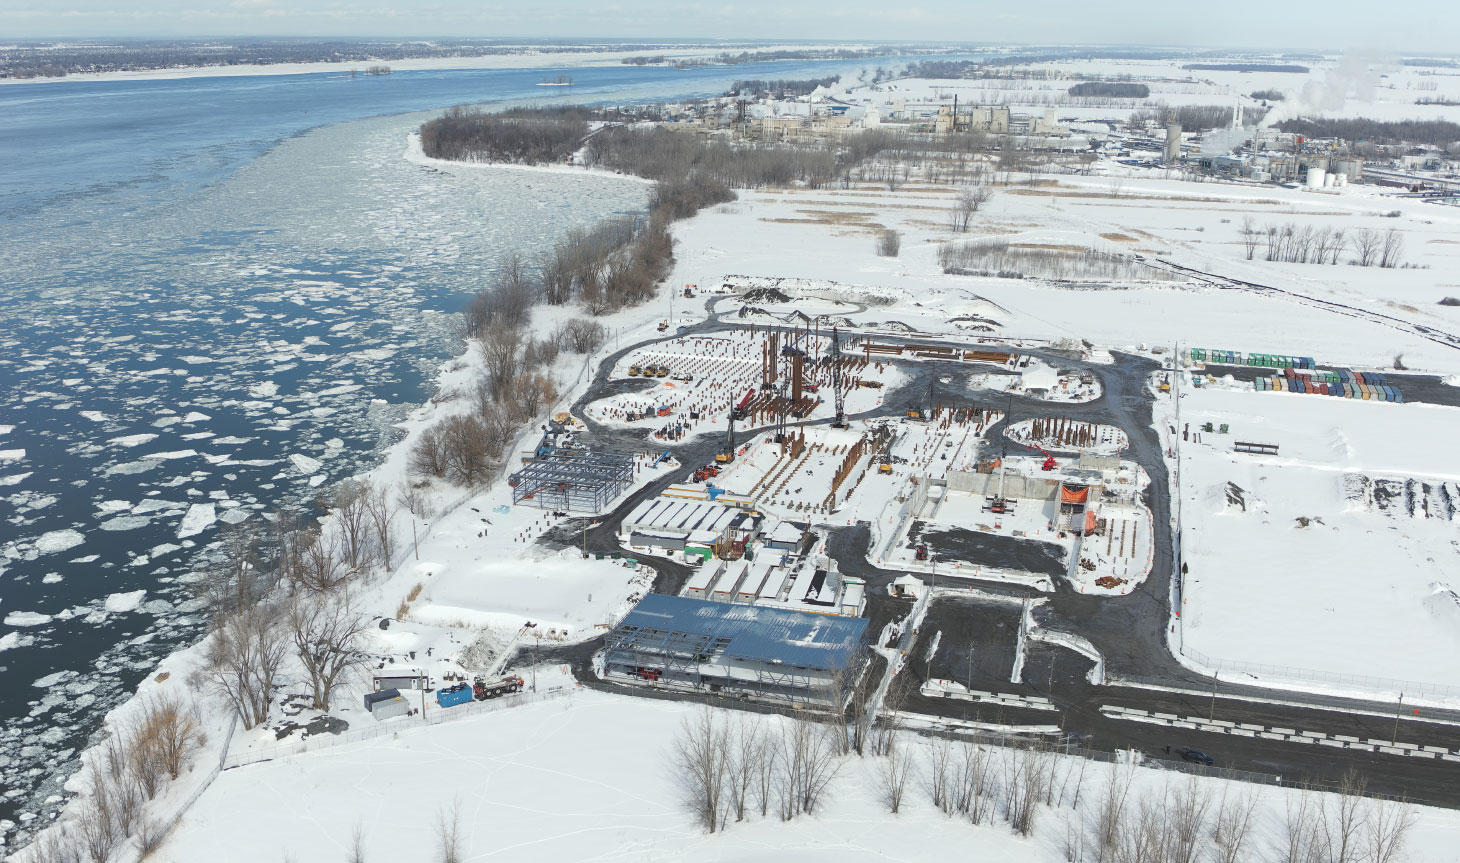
x: 219, y: 293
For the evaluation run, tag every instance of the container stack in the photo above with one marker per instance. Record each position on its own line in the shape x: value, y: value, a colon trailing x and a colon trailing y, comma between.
x: 1368, y: 386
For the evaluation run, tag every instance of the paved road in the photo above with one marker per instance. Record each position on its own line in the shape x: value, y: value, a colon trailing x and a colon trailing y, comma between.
x: 978, y: 646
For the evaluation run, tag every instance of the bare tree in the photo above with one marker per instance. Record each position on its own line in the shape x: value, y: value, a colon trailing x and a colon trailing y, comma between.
x: 56, y: 844
x: 817, y: 764
x: 468, y: 449
x: 1393, y: 245
x: 967, y: 204
x: 1187, y: 810
x: 744, y: 764
x: 582, y: 336
x: 530, y: 393
x: 1298, y: 841
x: 233, y: 581
x: 428, y: 453
x: 1108, y: 819
x: 242, y: 658
x: 356, y: 854
x: 889, y: 243
x: 892, y: 775
x: 1250, y: 236
x: 701, y: 752
x: 1366, y: 243
x: 940, y: 764
x: 327, y: 634
x: 500, y: 345
x: 99, y: 833
x: 448, y: 834
x: 320, y: 568
x: 347, y: 504
x: 1232, y: 825
x: 1024, y: 776
x: 1337, y: 246
x: 1386, y: 830
x: 382, y: 511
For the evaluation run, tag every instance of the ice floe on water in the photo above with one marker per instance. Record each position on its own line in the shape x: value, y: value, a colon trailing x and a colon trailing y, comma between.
x: 95, y: 416
x: 55, y: 541
x: 14, y: 639
x: 14, y: 478
x: 200, y: 517
x: 125, y: 522
x: 9, y: 455
x: 119, y: 603
x: 27, y: 618
x: 304, y: 464
x: 132, y: 440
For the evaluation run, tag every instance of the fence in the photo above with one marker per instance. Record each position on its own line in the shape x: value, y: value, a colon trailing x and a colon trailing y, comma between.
x: 1377, y: 688
x: 433, y: 716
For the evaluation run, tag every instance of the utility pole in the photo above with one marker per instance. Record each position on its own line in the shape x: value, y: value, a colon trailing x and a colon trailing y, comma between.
x: 1394, y: 738
x: 1212, y: 713
x: 415, y: 543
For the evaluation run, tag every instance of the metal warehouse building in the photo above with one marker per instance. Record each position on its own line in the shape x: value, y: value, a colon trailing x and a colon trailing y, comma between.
x: 723, y: 646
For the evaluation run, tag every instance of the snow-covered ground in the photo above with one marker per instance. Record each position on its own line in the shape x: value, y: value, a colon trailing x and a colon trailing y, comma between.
x: 590, y: 777
x: 1289, y: 556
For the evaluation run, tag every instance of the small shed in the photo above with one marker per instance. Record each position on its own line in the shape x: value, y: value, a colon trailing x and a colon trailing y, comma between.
x: 386, y: 704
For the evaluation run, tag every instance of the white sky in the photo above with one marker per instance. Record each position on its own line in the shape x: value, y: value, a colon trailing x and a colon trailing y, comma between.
x: 1403, y: 26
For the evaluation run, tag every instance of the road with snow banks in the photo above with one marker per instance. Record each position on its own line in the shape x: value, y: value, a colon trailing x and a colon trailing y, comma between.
x: 1148, y: 701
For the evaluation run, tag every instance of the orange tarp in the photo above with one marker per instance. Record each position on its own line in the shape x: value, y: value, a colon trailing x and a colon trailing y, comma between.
x: 1073, y: 495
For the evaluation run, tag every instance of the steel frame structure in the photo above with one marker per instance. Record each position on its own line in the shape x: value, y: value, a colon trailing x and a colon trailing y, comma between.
x: 576, y: 482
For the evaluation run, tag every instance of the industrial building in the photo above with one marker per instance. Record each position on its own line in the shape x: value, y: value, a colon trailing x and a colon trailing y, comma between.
x: 730, y: 647
x: 702, y: 527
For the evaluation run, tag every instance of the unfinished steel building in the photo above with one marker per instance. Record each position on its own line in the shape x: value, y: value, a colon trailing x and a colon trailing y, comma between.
x: 572, y: 481
x: 767, y: 652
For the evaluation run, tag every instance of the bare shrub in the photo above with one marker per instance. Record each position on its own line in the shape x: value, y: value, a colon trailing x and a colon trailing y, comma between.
x: 449, y: 840
x: 428, y: 453
x: 582, y: 336
x: 1391, y: 248
x: 169, y: 733
x: 889, y: 243
x: 468, y: 450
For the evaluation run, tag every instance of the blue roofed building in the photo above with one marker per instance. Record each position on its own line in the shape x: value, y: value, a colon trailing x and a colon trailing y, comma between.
x: 755, y: 650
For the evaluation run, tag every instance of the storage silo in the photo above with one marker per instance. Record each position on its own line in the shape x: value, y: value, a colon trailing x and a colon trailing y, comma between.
x: 1173, y: 142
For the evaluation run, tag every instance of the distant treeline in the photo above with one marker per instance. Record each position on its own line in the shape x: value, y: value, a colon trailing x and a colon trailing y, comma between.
x: 1439, y: 133
x: 50, y: 60
x: 1270, y: 95
x: 529, y: 136
x: 1195, y: 118
x: 1111, y: 90
x: 781, y: 88
x: 728, y: 59
x: 1245, y: 67
x: 987, y: 67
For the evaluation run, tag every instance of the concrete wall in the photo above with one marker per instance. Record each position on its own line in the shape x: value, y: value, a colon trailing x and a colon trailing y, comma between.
x: 1027, y: 488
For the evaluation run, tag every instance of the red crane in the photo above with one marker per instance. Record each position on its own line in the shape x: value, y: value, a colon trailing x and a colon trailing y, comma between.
x: 1049, y: 462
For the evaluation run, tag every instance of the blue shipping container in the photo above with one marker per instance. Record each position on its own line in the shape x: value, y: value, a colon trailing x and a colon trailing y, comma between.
x: 450, y: 696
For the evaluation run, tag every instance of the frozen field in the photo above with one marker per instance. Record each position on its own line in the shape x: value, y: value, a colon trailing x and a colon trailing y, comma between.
x: 1293, y: 563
